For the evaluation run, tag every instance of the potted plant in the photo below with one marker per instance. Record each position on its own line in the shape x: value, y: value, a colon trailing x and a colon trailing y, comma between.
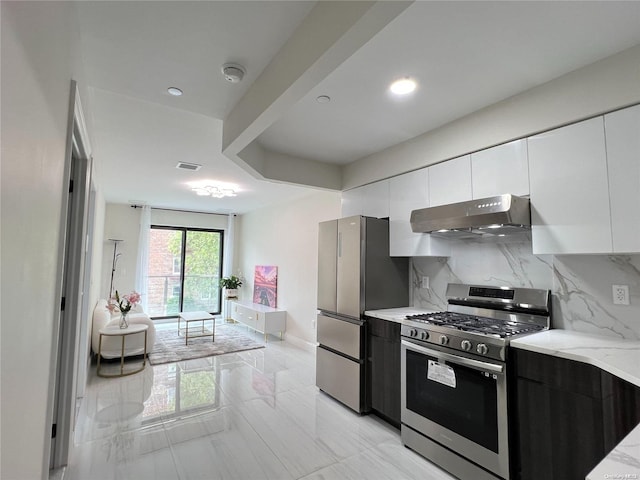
x: 231, y: 284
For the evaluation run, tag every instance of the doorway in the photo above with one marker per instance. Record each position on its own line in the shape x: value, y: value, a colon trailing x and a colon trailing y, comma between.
x: 71, y: 285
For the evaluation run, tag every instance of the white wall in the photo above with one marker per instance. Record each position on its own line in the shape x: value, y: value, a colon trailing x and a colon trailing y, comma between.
x: 39, y: 60
x: 287, y: 236
x: 606, y: 85
x: 123, y: 223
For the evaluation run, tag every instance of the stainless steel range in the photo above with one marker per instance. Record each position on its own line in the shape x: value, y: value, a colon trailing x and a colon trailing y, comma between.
x: 454, y: 376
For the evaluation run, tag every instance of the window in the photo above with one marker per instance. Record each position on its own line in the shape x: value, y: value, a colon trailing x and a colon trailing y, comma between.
x: 185, y: 266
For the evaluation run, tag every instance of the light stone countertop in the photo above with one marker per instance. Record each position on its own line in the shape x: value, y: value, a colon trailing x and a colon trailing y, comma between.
x: 396, y: 314
x: 618, y: 357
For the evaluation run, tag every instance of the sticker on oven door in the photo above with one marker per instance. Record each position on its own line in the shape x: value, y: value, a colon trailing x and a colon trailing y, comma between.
x: 444, y: 374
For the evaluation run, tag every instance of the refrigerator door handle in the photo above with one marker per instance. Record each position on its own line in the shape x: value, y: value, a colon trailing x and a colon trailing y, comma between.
x: 339, y: 244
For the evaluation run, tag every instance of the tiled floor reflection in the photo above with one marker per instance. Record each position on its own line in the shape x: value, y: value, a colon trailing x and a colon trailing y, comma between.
x: 248, y: 415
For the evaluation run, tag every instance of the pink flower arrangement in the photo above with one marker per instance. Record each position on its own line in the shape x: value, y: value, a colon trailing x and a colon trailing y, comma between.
x: 123, y: 304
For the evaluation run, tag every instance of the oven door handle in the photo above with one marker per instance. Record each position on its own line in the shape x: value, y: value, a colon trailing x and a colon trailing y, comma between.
x: 467, y: 362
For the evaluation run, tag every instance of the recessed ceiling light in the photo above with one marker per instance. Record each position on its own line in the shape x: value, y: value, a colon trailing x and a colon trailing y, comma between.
x: 323, y: 99
x: 403, y: 86
x: 176, y: 92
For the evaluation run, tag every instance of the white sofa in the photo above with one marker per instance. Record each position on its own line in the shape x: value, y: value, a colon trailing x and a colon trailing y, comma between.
x: 111, y: 346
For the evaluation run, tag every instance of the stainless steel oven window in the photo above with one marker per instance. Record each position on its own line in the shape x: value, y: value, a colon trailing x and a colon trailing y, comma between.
x: 470, y: 409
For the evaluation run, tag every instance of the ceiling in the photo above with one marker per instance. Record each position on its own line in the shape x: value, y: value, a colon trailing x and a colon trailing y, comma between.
x: 464, y: 56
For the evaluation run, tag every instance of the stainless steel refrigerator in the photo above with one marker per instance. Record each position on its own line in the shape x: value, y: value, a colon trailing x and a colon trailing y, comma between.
x: 355, y: 273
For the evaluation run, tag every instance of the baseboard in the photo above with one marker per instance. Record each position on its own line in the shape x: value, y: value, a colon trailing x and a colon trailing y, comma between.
x: 300, y: 343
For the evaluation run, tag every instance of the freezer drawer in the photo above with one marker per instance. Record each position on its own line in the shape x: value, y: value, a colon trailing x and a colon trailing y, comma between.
x: 340, y: 335
x: 339, y: 377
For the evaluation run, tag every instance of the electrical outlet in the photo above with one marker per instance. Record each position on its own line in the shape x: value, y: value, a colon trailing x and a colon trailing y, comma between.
x: 620, y: 294
x: 425, y: 283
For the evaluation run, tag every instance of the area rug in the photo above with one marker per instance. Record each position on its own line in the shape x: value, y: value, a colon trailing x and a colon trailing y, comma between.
x: 169, y: 347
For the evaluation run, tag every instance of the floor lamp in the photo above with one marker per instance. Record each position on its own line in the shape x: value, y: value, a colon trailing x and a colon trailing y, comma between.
x: 116, y: 255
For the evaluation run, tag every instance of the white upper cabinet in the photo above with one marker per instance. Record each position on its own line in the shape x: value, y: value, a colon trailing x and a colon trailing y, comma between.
x: 409, y: 192
x: 370, y: 200
x: 623, y: 160
x: 501, y: 169
x: 569, y: 191
x: 351, y: 203
x: 450, y: 182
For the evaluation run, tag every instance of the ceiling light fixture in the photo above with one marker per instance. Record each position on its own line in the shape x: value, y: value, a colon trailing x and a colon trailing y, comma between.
x: 176, y: 92
x: 323, y: 99
x: 403, y: 86
x: 214, y: 189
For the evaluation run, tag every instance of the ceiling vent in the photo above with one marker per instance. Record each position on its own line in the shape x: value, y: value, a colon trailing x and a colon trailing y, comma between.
x: 188, y: 166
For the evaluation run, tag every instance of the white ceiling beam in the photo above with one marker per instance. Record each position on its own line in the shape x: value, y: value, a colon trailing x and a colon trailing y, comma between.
x: 329, y: 35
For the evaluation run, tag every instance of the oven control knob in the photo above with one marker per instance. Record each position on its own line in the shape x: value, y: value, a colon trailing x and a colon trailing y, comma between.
x: 424, y: 335
x: 444, y: 339
x: 466, y: 345
x: 482, y: 349
x: 413, y: 332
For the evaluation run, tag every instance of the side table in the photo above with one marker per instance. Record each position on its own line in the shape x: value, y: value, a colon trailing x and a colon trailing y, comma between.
x: 115, y: 331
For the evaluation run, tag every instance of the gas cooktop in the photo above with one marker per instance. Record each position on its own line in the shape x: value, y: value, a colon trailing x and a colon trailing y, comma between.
x: 475, y: 324
x: 481, y: 320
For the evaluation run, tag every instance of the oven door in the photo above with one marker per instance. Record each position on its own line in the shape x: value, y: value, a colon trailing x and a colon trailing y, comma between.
x: 458, y: 402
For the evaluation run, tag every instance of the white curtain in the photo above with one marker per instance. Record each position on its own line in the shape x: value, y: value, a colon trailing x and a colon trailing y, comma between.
x: 227, y: 261
x: 142, y: 263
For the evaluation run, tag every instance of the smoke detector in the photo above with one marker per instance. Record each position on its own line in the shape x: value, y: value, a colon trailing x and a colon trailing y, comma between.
x: 233, y: 72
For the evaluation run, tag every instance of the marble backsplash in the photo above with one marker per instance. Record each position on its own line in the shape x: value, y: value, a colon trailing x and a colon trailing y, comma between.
x: 581, y: 285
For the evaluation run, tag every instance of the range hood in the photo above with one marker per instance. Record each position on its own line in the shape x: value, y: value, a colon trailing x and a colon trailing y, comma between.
x: 493, y: 216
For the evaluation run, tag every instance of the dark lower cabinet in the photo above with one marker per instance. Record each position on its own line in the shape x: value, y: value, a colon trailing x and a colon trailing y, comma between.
x: 568, y: 416
x: 384, y: 369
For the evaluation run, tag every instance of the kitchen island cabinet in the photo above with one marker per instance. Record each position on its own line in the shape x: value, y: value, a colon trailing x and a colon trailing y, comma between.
x: 568, y: 415
x: 383, y: 358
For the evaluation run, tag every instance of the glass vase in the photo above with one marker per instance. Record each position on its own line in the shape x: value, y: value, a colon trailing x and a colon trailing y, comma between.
x: 123, y: 320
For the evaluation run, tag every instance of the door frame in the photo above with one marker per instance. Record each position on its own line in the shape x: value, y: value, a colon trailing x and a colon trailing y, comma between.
x: 69, y: 286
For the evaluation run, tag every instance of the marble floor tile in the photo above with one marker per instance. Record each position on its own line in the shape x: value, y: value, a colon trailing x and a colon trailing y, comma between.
x: 222, y: 445
x: 247, y: 415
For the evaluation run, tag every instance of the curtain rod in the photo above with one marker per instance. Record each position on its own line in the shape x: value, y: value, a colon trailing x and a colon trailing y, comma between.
x: 186, y: 211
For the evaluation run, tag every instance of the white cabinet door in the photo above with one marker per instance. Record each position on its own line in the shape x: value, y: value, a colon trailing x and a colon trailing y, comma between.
x: 569, y: 190
x: 501, y: 169
x: 406, y: 193
x: 450, y: 182
x: 370, y: 200
x: 623, y: 160
x: 351, y: 202
x: 376, y: 199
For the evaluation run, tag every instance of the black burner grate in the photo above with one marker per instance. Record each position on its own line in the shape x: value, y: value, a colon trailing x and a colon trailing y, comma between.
x: 475, y: 324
